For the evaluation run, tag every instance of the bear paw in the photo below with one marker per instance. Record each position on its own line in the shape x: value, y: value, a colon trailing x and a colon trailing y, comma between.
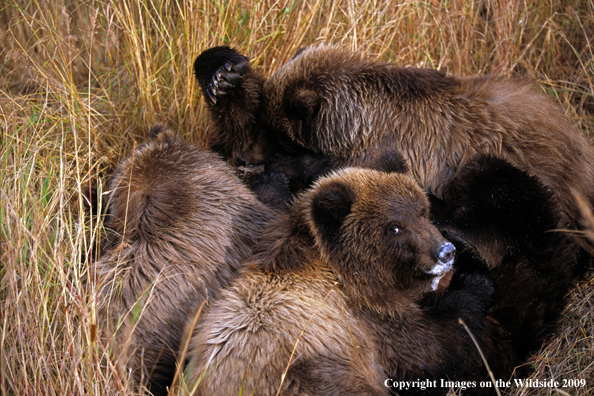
x: 219, y: 70
x: 225, y: 79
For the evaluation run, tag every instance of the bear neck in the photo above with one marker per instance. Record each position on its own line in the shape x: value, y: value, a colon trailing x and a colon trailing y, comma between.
x: 371, y: 285
x: 374, y: 294
x: 286, y: 246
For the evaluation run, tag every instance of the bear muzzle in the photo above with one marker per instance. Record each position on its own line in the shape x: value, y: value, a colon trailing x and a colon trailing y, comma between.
x: 445, y: 256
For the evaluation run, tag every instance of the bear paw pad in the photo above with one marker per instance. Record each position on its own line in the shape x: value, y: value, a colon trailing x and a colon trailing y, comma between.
x: 225, y: 79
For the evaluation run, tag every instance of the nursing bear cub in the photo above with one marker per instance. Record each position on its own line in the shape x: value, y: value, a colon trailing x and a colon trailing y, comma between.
x: 341, y: 295
x: 180, y: 225
x: 328, y: 107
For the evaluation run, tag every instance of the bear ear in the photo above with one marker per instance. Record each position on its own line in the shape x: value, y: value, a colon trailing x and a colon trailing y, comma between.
x: 388, y: 161
x: 157, y: 130
x: 299, y: 52
x: 329, y: 207
x: 304, y: 104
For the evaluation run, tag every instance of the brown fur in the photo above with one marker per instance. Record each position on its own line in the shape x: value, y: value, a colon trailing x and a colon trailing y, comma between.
x: 437, y: 122
x: 337, y: 299
x: 181, y: 225
x: 329, y: 101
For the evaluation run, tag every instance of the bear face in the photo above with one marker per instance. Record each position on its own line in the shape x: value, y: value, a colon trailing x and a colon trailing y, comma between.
x: 378, y: 236
x: 309, y: 316
x: 180, y: 226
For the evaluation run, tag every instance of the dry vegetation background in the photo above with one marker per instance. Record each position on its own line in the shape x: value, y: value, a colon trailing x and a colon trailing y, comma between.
x: 82, y: 81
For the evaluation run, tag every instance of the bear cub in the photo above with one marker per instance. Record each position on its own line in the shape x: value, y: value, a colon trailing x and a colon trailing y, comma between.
x: 328, y: 107
x: 340, y: 295
x: 180, y: 226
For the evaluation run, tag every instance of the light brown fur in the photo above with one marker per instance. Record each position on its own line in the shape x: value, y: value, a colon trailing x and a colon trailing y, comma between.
x: 334, y: 302
x: 181, y: 225
x: 267, y: 324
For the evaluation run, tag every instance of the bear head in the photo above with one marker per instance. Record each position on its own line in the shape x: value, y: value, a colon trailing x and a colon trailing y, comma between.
x: 372, y: 229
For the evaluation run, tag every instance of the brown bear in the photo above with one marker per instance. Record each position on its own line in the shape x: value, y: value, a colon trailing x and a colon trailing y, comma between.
x: 180, y: 226
x: 340, y: 299
x: 327, y: 102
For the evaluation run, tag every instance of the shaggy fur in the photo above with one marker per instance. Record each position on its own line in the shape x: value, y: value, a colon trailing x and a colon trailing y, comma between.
x: 339, y: 297
x: 505, y: 218
x: 500, y: 161
x: 331, y: 103
x: 181, y: 224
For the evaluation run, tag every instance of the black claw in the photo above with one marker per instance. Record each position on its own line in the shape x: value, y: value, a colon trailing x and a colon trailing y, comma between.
x: 224, y: 81
x: 210, y: 95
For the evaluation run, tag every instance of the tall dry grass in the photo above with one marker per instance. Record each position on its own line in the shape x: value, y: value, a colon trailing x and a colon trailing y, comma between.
x: 81, y: 81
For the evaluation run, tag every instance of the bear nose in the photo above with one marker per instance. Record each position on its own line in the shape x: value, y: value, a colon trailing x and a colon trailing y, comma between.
x: 446, y: 252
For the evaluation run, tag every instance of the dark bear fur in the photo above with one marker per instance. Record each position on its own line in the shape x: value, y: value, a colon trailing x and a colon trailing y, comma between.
x: 329, y: 103
x: 235, y: 90
x: 180, y: 226
x: 290, y: 175
x: 497, y: 214
x: 338, y: 297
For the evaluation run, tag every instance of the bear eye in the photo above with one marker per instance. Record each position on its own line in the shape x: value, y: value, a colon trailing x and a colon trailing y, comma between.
x: 395, y: 230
